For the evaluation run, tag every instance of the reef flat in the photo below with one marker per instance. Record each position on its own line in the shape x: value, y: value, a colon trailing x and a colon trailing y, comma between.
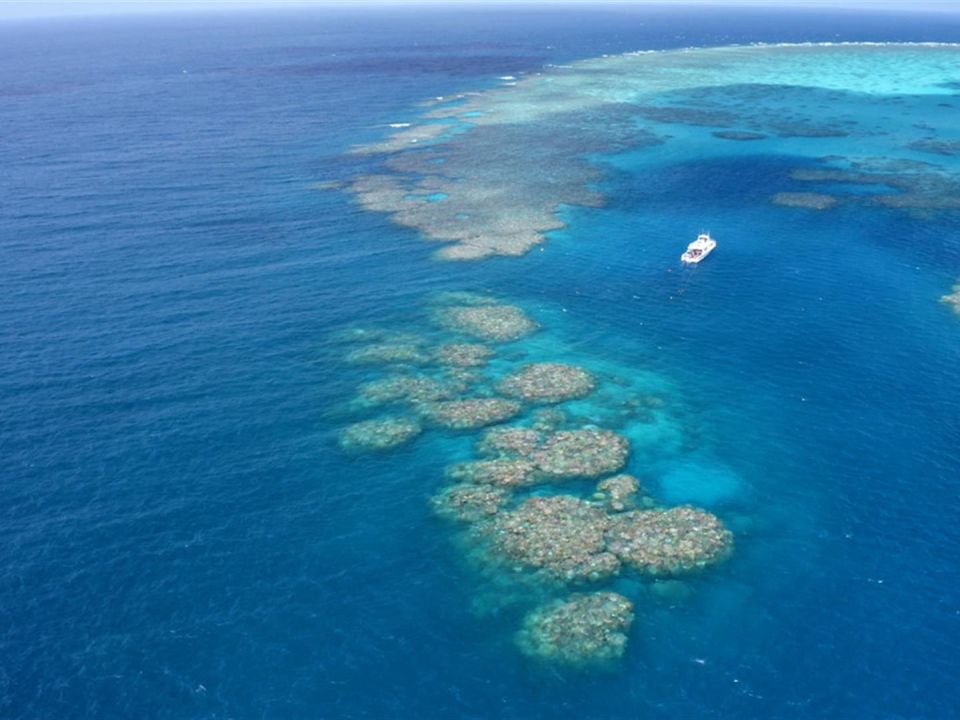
x: 543, y: 508
x: 485, y: 172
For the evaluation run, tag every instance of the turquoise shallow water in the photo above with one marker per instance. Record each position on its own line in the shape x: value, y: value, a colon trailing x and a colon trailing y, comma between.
x: 184, y: 538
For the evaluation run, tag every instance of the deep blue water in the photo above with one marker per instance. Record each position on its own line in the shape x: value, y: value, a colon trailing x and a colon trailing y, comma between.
x: 181, y: 536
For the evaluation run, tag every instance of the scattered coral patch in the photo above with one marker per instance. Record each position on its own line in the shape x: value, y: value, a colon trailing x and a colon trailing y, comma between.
x: 809, y: 200
x: 510, y: 442
x: 560, y: 534
x: 496, y: 323
x: 525, y: 538
x: 618, y: 493
x: 414, y: 389
x: 741, y: 135
x: 585, y: 628
x: 471, y: 413
x: 379, y: 434
x: 501, y: 473
x: 389, y: 353
x: 464, y: 354
x: 468, y: 502
x: 950, y: 148
x: 582, y: 453
x: 548, y: 383
x: 669, y: 541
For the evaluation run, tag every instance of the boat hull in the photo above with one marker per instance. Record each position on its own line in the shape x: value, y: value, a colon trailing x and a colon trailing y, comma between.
x: 690, y: 258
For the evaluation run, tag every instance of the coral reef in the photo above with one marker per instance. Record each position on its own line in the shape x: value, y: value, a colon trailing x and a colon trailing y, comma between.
x: 456, y: 175
x: 686, y: 115
x: 813, y: 201
x: 479, y: 215
x: 802, y: 130
x: 471, y: 413
x: 589, y: 452
x: 583, y: 629
x: 915, y: 185
x: 583, y: 453
x: 527, y: 541
x: 496, y: 323
x: 403, y: 139
x: 390, y: 353
x: 618, y: 493
x: 463, y: 354
x: 559, y: 534
x: 949, y: 148
x: 572, y: 539
x: 379, y: 434
x: 510, y: 442
x: 500, y: 472
x: 548, y: 419
x: 663, y: 542
x: 415, y: 389
x: 467, y: 502
x: 740, y: 135
x: 548, y: 383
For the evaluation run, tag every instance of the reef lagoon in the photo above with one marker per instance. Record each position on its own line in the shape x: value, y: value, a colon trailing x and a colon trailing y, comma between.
x: 351, y: 371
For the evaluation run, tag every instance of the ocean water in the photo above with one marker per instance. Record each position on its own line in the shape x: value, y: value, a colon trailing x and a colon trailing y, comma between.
x: 182, y: 534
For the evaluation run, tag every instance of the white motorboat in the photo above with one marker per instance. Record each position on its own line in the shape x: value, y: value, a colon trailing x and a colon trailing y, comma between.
x: 699, y: 248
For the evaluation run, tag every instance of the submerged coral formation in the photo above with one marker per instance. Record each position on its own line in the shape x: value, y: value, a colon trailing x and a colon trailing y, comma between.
x: 464, y: 354
x: 548, y: 383
x: 471, y: 413
x: 531, y: 541
x: 496, y: 323
x: 618, y: 493
x: 669, y: 541
x: 738, y: 135
x: 937, y: 146
x: 904, y: 184
x: 585, y: 628
x: 390, y: 353
x: 812, y: 201
x: 548, y: 420
x: 467, y: 502
x: 499, y: 472
x: 379, y: 434
x: 589, y: 452
x: 559, y: 534
x: 510, y: 441
x: 415, y: 389
x: 573, y: 539
x: 458, y: 176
